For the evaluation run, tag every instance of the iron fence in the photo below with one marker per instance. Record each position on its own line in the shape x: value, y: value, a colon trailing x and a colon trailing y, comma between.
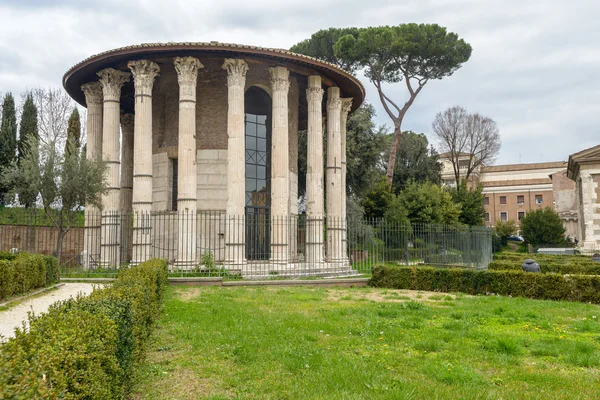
x: 256, y: 245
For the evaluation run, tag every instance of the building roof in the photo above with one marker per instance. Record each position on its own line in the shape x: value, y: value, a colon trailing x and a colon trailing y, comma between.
x: 85, y: 71
x: 586, y: 156
x: 521, y: 167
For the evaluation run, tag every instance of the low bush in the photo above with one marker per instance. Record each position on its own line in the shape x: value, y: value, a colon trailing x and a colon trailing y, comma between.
x: 507, y: 283
x: 85, y: 347
x: 592, y: 268
x: 20, y: 273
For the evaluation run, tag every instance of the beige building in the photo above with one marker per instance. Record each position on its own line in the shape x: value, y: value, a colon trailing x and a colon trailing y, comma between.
x: 584, y: 170
x: 511, y: 191
x: 209, y: 132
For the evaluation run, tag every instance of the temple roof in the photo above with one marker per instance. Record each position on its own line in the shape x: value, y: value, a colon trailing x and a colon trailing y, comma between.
x: 85, y: 71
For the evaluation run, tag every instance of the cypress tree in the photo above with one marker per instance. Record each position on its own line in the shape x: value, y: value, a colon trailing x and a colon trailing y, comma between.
x: 8, y: 140
x: 28, y: 128
x: 28, y: 132
x: 73, y: 133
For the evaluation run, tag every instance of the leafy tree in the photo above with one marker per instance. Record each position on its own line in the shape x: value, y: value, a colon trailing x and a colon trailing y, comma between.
x: 472, y: 209
x: 377, y: 201
x: 505, y: 229
x: 427, y: 203
x: 28, y: 132
x: 365, y: 144
x: 73, y: 132
x: 321, y: 45
x: 65, y: 183
x: 360, y: 234
x: 8, y: 140
x: 413, y: 53
x: 416, y: 161
x: 543, y: 226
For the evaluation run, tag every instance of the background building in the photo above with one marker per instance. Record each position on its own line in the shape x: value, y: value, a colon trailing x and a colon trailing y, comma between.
x: 511, y: 191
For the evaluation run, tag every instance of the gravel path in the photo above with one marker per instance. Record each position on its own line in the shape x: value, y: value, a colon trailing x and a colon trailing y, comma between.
x: 14, y: 316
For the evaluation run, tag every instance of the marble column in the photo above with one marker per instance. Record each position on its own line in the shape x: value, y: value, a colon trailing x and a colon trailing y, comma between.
x: 314, y: 172
x: 346, y: 106
x: 588, y: 202
x: 94, y: 103
x: 236, y: 158
x: 144, y: 72
x: 112, y: 80
x: 280, y: 166
x: 127, y: 127
x: 334, y: 176
x: 187, y: 187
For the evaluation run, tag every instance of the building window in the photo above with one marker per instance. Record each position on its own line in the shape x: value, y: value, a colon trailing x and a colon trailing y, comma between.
x: 503, y: 216
x: 539, y: 199
x: 487, y: 217
x: 520, y: 215
x: 502, y: 199
x: 486, y: 201
x: 257, y: 105
x: 521, y: 200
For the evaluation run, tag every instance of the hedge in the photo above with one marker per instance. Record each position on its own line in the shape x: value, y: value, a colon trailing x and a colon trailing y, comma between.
x: 547, y: 257
x: 548, y: 267
x: 513, y: 283
x: 85, y: 348
x: 20, y: 273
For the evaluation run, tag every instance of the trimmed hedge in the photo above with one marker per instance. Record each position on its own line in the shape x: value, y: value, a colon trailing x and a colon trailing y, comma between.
x: 507, y: 283
x: 549, y: 267
x: 20, y: 273
x: 86, y: 347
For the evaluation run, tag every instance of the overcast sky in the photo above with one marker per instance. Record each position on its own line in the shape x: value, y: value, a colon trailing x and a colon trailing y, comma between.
x: 534, y: 67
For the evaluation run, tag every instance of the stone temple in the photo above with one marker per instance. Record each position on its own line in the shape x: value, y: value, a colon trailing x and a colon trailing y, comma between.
x: 201, y: 143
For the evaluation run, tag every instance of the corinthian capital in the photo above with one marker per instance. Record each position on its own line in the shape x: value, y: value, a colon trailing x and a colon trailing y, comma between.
x: 346, y: 105
x: 112, y: 80
x: 334, y: 103
x: 127, y: 123
x: 144, y: 72
x: 314, y: 94
x: 187, y: 70
x: 280, y: 79
x: 236, y: 71
x: 93, y: 93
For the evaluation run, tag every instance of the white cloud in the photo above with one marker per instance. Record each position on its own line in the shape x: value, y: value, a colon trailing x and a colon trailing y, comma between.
x: 533, y: 68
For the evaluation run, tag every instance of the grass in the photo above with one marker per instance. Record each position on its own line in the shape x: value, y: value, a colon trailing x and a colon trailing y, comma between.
x: 364, y: 343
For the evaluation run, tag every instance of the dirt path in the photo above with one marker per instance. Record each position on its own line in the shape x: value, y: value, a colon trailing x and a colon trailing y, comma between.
x: 14, y: 316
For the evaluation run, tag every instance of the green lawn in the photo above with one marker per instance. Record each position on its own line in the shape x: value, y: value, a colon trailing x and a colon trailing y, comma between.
x: 363, y: 343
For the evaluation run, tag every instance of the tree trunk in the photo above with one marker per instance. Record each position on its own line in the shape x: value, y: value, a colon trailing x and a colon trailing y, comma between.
x: 59, y: 244
x: 392, y: 157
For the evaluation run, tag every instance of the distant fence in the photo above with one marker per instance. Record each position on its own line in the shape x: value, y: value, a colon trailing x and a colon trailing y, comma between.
x: 253, y: 245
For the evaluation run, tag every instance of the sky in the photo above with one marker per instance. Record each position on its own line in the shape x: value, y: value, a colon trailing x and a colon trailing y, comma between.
x: 534, y: 67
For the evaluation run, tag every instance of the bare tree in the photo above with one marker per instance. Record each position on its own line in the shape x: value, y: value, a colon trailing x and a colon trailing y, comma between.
x: 468, y: 140
x: 54, y: 109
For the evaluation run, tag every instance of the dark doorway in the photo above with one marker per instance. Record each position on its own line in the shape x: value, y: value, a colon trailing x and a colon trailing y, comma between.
x: 258, y: 173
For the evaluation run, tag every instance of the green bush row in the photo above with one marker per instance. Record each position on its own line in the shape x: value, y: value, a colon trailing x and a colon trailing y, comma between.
x: 513, y: 283
x: 85, y: 348
x: 20, y: 273
x: 548, y: 257
x: 548, y: 267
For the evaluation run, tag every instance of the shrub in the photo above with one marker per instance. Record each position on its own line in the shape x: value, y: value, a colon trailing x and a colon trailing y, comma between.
x: 543, y: 227
x: 85, y: 347
x: 20, y: 273
x: 513, y: 283
x: 549, y: 267
x: 505, y: 229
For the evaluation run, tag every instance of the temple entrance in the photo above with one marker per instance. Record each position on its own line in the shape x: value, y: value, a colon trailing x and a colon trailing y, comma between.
x: 258, y: 173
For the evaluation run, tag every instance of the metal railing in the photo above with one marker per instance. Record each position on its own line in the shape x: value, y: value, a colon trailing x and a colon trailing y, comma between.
x: 258, y: 245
